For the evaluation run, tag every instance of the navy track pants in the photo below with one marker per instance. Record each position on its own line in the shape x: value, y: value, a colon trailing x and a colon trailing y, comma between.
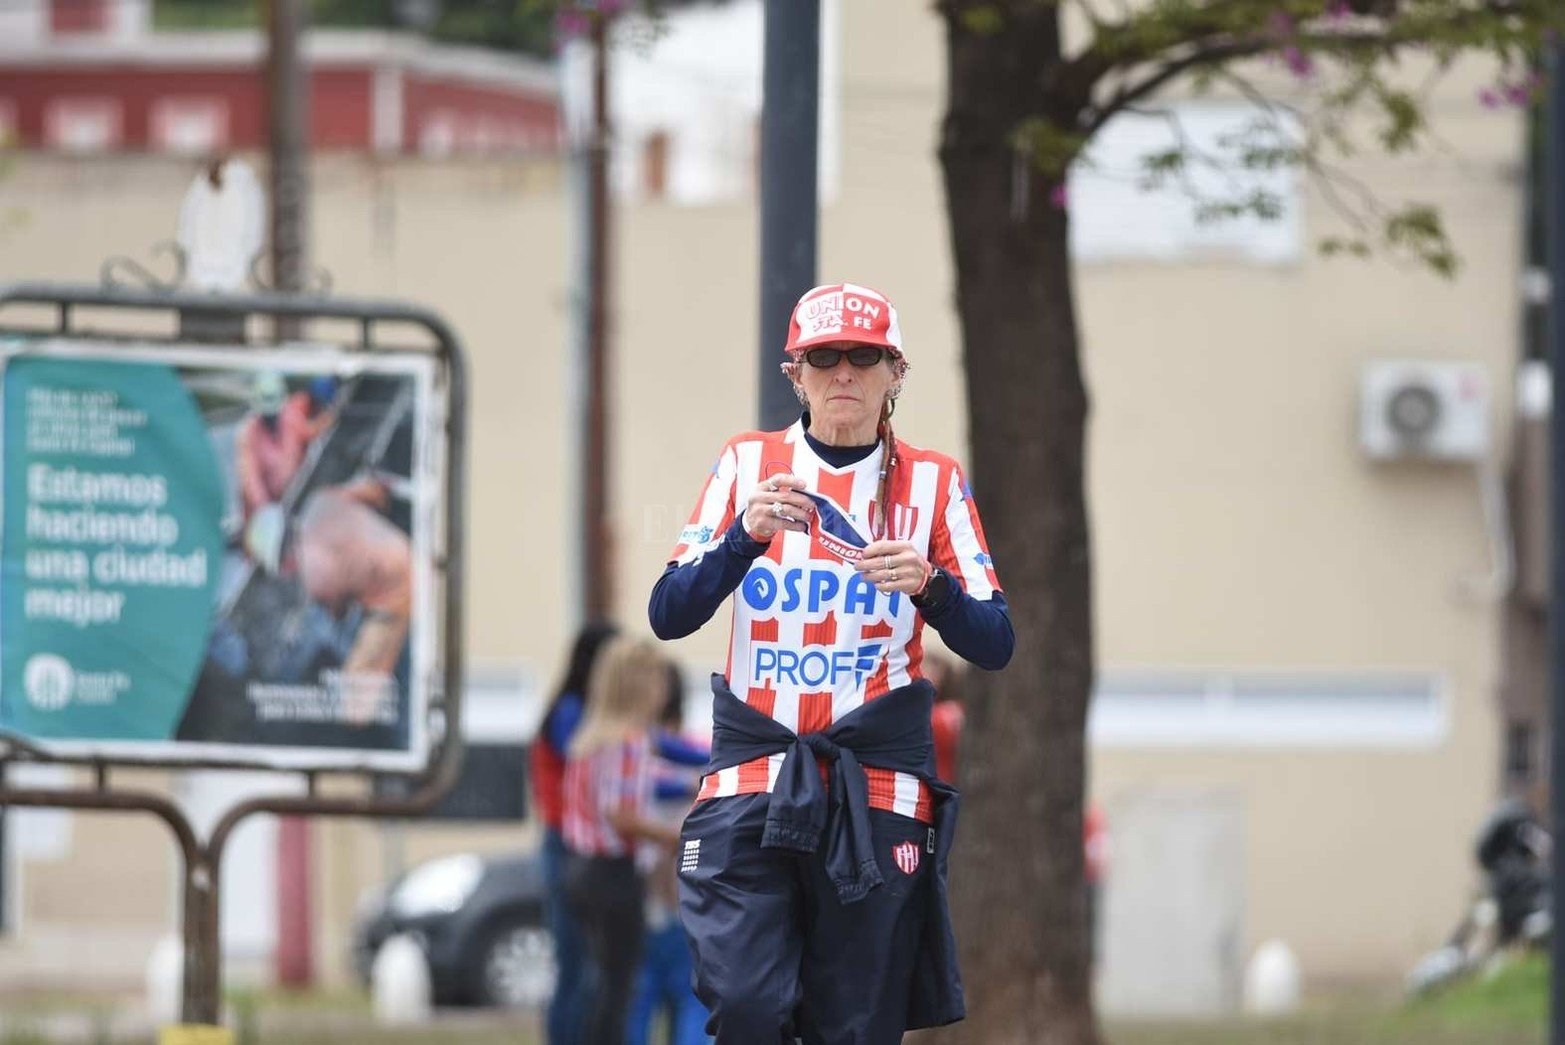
x: 777, y: 955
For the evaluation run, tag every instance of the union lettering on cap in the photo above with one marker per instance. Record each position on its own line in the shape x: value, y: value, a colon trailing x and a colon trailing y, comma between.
x: 820, y: 316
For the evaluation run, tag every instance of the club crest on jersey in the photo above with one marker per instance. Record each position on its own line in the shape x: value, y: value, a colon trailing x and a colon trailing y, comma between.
x: 902, y: 524
x: 906, y: 856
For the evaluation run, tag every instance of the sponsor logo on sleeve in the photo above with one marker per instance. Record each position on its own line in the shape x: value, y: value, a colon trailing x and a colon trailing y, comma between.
x: 695, y: 535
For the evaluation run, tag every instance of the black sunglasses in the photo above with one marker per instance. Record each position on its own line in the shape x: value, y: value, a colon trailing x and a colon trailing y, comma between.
x: 858, y: 355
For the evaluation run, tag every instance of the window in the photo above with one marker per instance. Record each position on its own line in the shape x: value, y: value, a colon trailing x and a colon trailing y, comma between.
x: 78, y: 16
x: 1116, y: 215
x: 437, y: 137
x: 1184, y: 709
x: 190, y: 126
x: 82, y: 125
x: 1520, y: 744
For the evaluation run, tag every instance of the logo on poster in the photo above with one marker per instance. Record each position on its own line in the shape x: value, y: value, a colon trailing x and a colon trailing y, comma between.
x: 48, y: 681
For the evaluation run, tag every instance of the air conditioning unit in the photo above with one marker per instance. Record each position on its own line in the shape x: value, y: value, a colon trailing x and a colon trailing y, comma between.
x: 1424, y: 411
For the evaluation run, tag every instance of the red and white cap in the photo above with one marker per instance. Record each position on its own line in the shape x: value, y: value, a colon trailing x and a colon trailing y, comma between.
x: 843, y: 312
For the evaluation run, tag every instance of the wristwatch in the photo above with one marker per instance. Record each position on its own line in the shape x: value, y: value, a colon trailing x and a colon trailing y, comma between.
x: 936, y: 591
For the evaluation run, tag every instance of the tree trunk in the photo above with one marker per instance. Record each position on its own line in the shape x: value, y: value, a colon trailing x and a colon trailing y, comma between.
x: 1018, y: 875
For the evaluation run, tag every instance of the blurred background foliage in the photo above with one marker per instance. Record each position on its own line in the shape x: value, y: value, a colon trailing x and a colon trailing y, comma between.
x: 508, y: 25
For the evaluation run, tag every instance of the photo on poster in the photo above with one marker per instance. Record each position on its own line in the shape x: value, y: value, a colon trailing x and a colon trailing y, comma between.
x: 215, y: 555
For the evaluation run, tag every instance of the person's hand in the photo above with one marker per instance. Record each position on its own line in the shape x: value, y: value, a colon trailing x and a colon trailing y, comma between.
x: 774, y: 506
x: 894, y: 566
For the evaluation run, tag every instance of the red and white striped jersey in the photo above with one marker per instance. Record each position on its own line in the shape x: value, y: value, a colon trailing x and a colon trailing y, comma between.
x: 614, y: 777
x: 812, y: 639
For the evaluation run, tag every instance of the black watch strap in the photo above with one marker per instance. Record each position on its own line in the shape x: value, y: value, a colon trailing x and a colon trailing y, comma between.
x: 936, y: 591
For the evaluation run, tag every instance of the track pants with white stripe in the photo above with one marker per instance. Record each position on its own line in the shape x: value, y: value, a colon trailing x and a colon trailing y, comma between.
x: 777, y: 955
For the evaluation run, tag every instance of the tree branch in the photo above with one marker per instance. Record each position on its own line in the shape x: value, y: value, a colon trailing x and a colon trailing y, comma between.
x: 1215, y: 44
x: 1132, y: 93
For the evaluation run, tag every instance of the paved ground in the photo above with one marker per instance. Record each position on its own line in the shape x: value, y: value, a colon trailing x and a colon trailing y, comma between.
x: 1507, y: 1009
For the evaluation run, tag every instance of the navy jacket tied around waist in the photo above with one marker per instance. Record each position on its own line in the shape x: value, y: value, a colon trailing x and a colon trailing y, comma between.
x: 805, y: 813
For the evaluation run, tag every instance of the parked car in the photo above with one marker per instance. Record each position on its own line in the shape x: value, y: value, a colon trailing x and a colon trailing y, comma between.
x: 480, y: 921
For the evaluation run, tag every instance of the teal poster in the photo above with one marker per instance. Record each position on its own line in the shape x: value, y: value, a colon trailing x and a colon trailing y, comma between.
x: 208, y: 555
x: 111, y: 541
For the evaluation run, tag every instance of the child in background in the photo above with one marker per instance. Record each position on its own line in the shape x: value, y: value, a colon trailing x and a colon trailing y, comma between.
x: 608, y: 825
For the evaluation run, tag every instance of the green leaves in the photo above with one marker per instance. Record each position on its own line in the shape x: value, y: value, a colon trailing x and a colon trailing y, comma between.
x: 1334, y: 246
x: 1350, y: 91
x: 1415, y: 233
x: 1404, y: 118
x: 1049, y: 147
x: 982, y: 20
x: 1418, y: 230
x: 1258, y: 203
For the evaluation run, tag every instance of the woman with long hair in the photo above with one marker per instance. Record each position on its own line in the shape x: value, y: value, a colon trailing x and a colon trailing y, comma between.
x: 817, y: 911
x: 608, y: 825
x: 546, y: 767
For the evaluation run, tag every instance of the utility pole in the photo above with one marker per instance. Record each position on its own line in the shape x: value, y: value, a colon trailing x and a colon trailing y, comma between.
x: 597, y: 535
x: 1554, y: 234
x: 790, y: 120
x: 288, y: 123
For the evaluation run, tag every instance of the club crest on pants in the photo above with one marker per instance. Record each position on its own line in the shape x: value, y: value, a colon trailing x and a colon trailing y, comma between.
x: 906, y: 855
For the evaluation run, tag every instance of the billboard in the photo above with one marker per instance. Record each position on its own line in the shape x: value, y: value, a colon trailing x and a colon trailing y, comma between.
x: 219, y: 555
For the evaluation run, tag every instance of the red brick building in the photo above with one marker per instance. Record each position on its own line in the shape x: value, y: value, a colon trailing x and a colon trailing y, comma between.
x: 89, y: 76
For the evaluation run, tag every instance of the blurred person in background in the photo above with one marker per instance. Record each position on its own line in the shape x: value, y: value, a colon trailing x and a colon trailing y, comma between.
x: 816, y: 911
x: 546, y: 768
x: 609, y: 828
x: 947, y: 716
x: 276, y: 435
x: 347, y: 554
x: 664, y: 988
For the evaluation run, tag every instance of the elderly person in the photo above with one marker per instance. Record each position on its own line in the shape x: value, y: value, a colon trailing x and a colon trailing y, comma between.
x: 812, y: 867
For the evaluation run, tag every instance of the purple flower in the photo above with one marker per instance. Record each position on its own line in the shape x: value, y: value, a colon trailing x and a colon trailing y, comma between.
x: 569, y: 22
x: 612, y: 7
x: 1519, y: 94
x: 1059, y: 196
x: 1298, y: 63
x: 1489, y: 98
x: 1339, y: 11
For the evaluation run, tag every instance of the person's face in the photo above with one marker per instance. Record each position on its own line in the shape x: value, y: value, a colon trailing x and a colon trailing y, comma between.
x: 845, y: 396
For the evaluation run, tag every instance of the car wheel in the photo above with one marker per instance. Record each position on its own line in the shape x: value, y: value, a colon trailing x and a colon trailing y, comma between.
x: 517, y: 970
